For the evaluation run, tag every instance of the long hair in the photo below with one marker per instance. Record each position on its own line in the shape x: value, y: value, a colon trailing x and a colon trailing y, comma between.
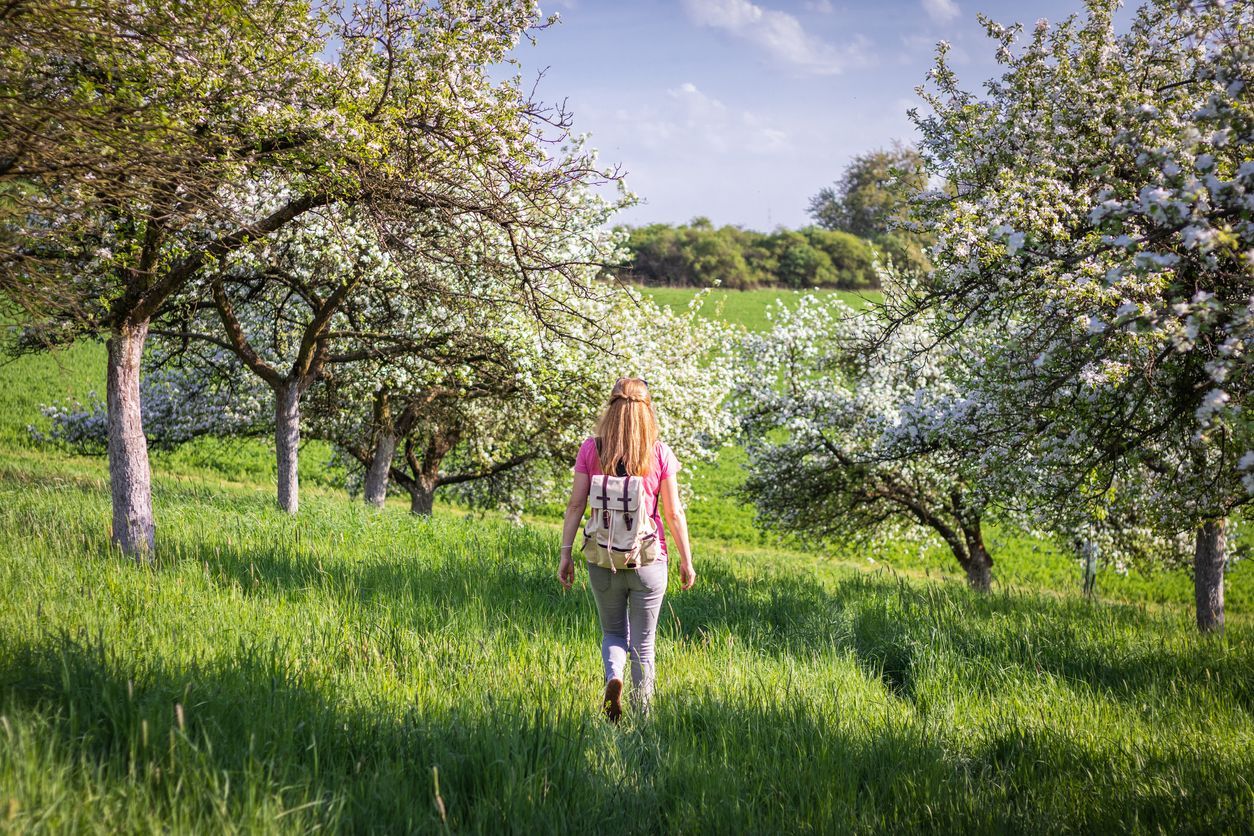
x: 628, y: 428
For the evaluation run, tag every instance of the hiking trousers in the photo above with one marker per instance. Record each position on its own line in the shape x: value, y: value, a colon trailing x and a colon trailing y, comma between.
x: 629, y: 602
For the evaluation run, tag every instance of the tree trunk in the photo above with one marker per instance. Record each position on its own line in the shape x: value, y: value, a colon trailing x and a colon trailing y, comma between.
x: 979, y: 569
x: 380, y: 467
x: 130, y: 477
x: 421, y: 498
x: 426, y: 471
x: 287, y: 444
x: 979, y: 564
x: 1208, y: 575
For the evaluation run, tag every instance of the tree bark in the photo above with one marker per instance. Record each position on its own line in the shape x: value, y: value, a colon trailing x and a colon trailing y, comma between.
x: 979, y: 569
x: 287, y: 444
x: 425, y: 472
x: 421, y: 498
x: 1208, y: 575
x: 380, y: 468
x: 130, y: 476
x: 979, y: 564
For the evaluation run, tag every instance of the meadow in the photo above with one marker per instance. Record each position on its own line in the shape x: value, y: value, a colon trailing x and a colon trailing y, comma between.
x: 748, y: 308
x: 364, y: 671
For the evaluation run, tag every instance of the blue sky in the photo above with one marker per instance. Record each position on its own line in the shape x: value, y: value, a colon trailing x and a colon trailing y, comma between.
x: 740, y: 110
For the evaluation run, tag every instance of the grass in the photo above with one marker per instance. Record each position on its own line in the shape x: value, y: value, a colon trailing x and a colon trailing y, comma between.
x: 360, y: 671
x: 749, y: 307
x: 273, y: 674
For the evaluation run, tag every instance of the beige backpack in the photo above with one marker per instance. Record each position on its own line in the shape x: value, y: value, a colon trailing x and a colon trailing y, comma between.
x: 620, y: 533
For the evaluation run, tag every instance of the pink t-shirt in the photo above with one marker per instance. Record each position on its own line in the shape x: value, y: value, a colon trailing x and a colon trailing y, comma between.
x: 665, y: 465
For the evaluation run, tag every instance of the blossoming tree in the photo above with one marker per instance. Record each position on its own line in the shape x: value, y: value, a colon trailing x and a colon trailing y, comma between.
x: 464, y: 394
x: 500, y: 410
x: 144, y: 142
x: 1102, y: 232
x: 821, y: 411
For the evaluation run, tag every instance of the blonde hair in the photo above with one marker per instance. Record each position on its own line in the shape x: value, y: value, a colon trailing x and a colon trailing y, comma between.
x: 628, y: 428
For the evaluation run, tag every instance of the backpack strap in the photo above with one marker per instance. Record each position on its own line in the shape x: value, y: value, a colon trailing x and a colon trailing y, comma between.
x: 605, y: 502
x: 626, y: 511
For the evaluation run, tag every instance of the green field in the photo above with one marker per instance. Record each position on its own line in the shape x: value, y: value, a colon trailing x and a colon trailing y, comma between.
x: 749, y: 307
x: 367, y: 671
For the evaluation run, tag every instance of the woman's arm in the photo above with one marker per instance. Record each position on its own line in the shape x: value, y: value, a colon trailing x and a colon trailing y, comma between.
x: 677, y: 524
x: 575, y: 507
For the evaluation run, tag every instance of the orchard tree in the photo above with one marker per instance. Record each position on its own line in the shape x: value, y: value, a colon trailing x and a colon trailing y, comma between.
x: 474, y: 425
x: 278, y: 306
x: 820, y: 414
x: 463, y: 339
x: 337, y: 288
x: 145, y: 142
x: 1102, y: 228
x: 499, y: 415
x: 1110, y: 522
x: 454, y: 412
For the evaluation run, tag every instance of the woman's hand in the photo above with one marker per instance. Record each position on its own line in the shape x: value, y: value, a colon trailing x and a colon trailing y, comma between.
x: 566, y: 571
x: 687, y: 575
x: 570, y: 527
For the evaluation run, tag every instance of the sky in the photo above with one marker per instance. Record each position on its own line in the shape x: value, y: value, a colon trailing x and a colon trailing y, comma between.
x: 741, y: 110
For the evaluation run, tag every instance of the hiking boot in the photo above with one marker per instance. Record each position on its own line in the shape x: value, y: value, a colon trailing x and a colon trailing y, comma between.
x: 613, y: 700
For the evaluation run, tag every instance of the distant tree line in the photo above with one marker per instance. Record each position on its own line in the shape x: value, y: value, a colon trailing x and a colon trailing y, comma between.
x: 859, y: 218
x: 698, y: 254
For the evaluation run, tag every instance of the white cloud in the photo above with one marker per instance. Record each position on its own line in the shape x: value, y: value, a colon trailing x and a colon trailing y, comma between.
x: 709, y: 122
x: 688, y: 123
x: 941, y: 11
x: 779, y: 34
x: 697, y: 104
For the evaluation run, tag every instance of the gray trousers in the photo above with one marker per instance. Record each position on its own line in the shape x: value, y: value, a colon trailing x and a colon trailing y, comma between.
x: 629, y: 602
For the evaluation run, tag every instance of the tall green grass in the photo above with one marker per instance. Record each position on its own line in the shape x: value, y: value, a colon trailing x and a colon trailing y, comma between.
x: 361, y: 671
x: 277, y: 674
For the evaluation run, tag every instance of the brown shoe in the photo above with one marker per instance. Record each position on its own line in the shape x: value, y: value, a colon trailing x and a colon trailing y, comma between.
x: 613, y: 700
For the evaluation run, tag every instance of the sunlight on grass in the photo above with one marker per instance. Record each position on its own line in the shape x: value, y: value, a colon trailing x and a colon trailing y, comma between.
x: 273, y: 674
x: 748, y: 307
x: 282, y: 674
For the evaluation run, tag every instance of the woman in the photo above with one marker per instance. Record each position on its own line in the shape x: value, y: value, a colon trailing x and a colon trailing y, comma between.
x: 629, y: 601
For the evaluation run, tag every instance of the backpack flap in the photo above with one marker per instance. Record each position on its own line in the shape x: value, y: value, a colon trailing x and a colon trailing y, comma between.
x: 616, y: 493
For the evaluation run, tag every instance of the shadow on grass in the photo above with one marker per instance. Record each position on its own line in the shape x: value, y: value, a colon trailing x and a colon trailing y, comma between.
x: 337, y: 763
x: 503, y: 579
x: 889, y: 625
x: 699, y: 765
